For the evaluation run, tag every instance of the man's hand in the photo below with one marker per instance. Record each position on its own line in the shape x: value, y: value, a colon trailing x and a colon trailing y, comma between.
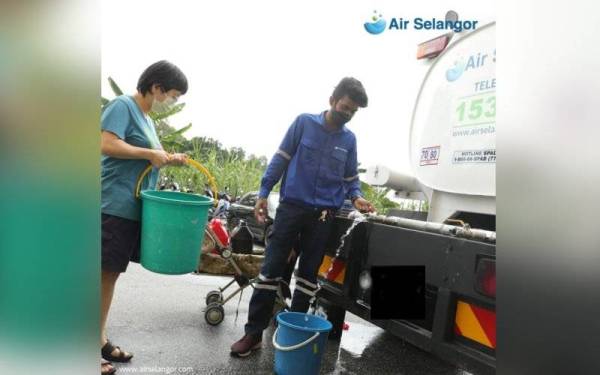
x: 363, y: 205
x: 260, y: 210
x: 177, y: 159
x: 158, y: 158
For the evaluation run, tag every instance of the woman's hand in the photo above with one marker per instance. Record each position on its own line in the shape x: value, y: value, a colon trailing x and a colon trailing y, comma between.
x: 113, y: 146
x: 159, y: 158
x: 177, y: 159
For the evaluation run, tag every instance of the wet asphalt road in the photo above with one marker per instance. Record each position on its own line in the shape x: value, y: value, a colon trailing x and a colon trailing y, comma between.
x: 160, y: 319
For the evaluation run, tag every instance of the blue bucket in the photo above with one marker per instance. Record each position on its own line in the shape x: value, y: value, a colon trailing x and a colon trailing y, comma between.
x: 299, y: 343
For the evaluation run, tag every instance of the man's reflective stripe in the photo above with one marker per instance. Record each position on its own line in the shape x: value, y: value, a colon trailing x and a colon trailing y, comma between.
x: 306, y: 282
x: 264, y: 286
x: 350, y: 178
x: 306, y: 291
x: 284, y: 154
x: 264, y: 278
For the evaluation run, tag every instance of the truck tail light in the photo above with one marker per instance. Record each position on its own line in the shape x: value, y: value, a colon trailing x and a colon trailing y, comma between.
x: 485, y: 277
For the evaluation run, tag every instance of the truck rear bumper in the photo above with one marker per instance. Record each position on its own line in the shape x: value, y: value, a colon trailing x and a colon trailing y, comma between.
x: 448, y: 331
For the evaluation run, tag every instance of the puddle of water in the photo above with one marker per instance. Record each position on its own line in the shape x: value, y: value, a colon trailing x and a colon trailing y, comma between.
x: 340, y: 369
x: 359, y: 338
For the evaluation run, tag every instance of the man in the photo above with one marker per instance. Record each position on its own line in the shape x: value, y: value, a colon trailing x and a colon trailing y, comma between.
x: 318, y: 162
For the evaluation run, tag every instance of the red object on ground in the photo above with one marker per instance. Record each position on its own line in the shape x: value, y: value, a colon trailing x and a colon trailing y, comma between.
x: 346, y: 326
x: 219, y: 231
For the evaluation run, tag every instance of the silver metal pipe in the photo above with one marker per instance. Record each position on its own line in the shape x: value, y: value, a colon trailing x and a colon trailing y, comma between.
x: 449, y: 230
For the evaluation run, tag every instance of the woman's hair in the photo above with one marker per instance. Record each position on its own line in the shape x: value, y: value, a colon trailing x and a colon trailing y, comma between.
x: 166, y: 75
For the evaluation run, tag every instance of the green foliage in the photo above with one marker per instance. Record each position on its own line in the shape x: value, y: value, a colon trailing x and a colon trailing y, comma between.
x: 377, y: 197
x: 159, y: 116
x: 414, y: 205
x: 116, y: 89
x: 172, y: 140
x: 232, y: 171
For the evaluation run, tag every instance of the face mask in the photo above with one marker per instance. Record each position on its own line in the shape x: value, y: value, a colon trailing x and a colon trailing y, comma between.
x: 164, y: 106
x: 340, y: 118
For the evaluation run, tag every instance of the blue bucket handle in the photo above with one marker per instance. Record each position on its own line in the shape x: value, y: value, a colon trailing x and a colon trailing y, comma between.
x: 293, y: 347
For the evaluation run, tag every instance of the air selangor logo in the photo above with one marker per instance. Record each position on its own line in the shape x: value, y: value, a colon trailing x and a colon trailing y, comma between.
x: 456, y: 71
x: 377, y: 26
x: 474, y: 61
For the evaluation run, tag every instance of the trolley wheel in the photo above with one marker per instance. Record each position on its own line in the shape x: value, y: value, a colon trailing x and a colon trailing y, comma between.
x: 213, y: 296
x: 214, y: 314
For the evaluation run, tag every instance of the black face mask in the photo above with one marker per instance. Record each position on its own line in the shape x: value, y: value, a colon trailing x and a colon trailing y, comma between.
x: 339, y: 118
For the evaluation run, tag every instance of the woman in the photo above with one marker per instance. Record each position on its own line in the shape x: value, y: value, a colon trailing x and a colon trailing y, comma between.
x: 129, y: 144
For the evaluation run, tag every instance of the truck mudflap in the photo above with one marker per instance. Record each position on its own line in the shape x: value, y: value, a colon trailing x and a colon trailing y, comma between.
x: 333, y: 269
x: 460, y: 324
x: 475, y: 323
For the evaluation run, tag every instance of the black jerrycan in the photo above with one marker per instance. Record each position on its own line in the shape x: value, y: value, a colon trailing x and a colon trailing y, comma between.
x: 242, y: 239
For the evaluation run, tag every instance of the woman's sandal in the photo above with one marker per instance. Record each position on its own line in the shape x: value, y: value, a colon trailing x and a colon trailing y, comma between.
x: 108, y: 349
x: 104, y: 367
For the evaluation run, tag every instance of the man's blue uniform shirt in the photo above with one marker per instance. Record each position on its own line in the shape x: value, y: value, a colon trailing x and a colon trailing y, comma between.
x: 319, y: 167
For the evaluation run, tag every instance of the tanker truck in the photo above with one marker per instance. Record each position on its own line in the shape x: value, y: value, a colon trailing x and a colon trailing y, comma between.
x: 453, y: 158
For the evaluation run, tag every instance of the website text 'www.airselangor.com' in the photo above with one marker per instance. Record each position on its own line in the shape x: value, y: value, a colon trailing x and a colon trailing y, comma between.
x: 156, y: 370
x: 476, y: 131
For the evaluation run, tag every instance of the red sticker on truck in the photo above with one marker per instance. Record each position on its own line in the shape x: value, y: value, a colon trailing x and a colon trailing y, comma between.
x: 430, y: 155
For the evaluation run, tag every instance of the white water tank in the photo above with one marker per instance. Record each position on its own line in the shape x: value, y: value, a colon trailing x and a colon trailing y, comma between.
x: 453, y: 131
x: 453, y: 128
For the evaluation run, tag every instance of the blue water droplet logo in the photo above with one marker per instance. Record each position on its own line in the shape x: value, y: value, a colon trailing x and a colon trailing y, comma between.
x: 456, y: 71
x: 377, y: 24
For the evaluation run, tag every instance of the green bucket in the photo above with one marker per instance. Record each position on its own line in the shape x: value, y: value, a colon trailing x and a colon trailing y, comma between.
x: 173, y: 226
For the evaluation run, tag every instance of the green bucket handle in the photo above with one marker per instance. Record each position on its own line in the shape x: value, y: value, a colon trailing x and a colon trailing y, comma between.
x: 190, y: 162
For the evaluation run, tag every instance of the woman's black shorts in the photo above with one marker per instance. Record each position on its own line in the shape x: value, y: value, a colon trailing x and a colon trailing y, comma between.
x: 120, y: 242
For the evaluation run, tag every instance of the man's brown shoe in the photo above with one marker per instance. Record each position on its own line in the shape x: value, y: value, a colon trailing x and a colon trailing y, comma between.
x: 246, y: 345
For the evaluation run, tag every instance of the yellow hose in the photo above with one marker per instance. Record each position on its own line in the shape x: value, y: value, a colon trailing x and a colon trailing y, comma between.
x: 193, y: 163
